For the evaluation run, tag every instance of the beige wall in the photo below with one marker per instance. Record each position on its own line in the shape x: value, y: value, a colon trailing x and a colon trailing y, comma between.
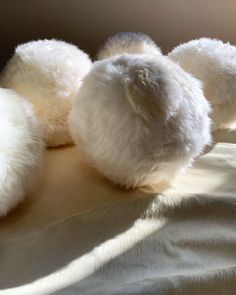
x: 88, y: 22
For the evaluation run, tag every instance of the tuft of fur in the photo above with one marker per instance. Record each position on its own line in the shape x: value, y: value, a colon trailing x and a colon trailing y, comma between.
x: 48, y: 73
x: 21, y: 149
x: 128, y: 42
x: 214, y: 63
x: 140, y: 119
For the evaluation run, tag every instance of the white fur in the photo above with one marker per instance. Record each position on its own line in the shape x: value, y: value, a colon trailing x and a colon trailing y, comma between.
x: 48, y: 73
x: 20, y: 149
x: 214, y: 63
x: 128, y: 42
x: 140, y: 119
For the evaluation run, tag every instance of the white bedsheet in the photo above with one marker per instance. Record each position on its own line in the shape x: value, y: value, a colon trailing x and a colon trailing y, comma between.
x: 182, y: 241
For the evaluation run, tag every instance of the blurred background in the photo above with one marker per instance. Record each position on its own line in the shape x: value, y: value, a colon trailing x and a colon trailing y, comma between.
x: 87, y: 23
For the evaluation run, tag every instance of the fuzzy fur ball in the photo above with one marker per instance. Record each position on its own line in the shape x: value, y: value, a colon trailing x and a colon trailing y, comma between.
x: 140, y: 119
x: 214, y: 63
x: 21, y: 149
x: 128, y: 42
x: 48, y: 73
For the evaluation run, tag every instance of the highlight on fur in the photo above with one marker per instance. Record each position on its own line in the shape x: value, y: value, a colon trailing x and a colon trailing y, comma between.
x: 140, y: 119
x: 128, y: 42
x: 48, y: 73
x: 214, y: 63
x: 21, y: 149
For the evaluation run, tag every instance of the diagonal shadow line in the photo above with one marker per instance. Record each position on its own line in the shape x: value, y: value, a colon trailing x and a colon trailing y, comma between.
x: 207, y: 208
x: 109, y: 226
x: 79, y: 235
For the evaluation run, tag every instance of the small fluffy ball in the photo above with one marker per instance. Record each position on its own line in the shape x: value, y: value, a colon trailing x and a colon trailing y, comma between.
x: 140, y: 119
x: 21, y: 149
x: 48, y: 73
x: 128, y: 42
x: 214, y: 63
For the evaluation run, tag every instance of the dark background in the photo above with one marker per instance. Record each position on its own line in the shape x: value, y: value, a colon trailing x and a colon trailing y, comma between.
x: 87, y: 23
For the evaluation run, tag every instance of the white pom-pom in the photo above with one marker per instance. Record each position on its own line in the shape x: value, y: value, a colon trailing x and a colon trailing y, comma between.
x: 21, y: 149
x: 128, y: 42
x: 48, y: 73
x: 140, y: 119
x: 214, y: 63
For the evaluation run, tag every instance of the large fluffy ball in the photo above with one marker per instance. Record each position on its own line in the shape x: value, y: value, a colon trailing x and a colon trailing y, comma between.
x: 20, y: 149
x: 48, y: 73
x: 128, y: 42
x: 214, y: 63
x: 139, y: 119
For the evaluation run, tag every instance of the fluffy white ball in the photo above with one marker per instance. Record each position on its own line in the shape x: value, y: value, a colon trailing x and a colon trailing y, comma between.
x: 214, y: 63
x: 127, y: 42
x: 21, y: 149
x: 139, y: 119
x: 48, y: 73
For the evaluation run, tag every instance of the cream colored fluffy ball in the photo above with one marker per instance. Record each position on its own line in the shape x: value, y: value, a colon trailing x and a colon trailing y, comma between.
x: 140, y: 120
x: 127, y: 42
x: 48, y: 73
x: 21, y: 149
x: 214, y: 63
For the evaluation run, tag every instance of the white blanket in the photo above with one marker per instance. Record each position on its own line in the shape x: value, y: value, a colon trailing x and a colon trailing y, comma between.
x: 182, y: 241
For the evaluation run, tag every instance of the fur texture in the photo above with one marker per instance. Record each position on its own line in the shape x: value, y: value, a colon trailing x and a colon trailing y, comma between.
x: 128, y: 42
x: 140, y: 119
x: 214, y: 63
x: 20, y: 149
x: 48, y: 73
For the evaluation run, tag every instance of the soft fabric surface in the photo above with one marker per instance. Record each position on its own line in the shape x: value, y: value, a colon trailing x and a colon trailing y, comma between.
x: 182, y: 241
